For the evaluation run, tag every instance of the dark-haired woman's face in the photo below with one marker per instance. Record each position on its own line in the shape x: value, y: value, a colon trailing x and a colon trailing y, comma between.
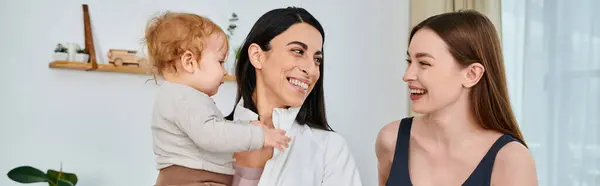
x: 290, y: 70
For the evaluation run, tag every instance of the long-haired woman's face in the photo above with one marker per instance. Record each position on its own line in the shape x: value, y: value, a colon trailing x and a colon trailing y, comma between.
x: 434, y: 77
x: 290, y: 69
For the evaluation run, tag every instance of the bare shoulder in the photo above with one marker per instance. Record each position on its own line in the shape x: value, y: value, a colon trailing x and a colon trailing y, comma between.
x: 514, y: 165
x: 514, y: 154
x: 385, y: 144
x: 388, y: 134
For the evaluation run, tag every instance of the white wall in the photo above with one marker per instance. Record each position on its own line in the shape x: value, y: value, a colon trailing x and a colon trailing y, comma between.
x: 97, y: 124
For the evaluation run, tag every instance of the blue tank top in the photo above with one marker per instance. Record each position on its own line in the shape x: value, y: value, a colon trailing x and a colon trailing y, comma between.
x: 399, y: 174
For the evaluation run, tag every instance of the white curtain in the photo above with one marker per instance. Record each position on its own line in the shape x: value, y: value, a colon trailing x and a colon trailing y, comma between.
x: 552, y: 56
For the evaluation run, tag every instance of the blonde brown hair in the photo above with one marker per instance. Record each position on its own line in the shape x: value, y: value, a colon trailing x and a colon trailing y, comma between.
x: 171, y: 34
x: 472, y: 38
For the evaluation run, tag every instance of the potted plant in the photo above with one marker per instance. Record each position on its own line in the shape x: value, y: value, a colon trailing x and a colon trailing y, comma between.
x: 234, y: 51
x: 232, y: 24
x: 29, y: 174
x: 60, y: 53
x: 82, y: 55
x: 237, y: 52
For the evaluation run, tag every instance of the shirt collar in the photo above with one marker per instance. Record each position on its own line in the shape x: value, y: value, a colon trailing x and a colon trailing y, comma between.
x: 282, y: 118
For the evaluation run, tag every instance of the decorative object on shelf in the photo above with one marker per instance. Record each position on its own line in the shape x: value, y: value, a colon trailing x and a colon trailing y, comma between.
x: 232, y: 26
x: 233, y: 49
x: 72, y: 50
x: 89, y: 46
x: 29, y: 174
x: 120, y: 57
x: 60, y: 53
x: 82, y: 55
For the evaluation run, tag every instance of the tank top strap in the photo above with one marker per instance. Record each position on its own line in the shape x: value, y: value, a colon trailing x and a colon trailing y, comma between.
x: 399, y: 173
x: 483, y: 172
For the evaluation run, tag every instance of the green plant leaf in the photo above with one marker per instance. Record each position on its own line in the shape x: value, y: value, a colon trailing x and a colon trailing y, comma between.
x: 27, y: 174
x: 237, y: 52
x: 64, y: 183
x: 53, y: 176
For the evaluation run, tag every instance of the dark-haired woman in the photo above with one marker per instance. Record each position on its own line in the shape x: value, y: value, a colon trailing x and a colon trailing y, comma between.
x: 280, y: 81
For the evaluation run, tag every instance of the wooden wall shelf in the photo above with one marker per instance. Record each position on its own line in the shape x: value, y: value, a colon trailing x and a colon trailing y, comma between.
x: 93, y: 64
x: 106, y: 68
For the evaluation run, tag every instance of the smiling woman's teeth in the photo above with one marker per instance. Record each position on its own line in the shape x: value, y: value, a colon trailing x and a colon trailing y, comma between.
x: 418, y: 91
x: 298, y: 83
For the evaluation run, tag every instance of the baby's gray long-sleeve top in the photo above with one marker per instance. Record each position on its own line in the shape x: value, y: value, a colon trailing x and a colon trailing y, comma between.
x: 189, y: 130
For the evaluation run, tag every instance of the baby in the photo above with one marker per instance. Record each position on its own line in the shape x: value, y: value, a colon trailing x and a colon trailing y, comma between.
x: 191, y: 139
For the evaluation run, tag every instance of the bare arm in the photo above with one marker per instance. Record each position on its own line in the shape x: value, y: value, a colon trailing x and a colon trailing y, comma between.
x: 385, y: 146
x: 514, y: 165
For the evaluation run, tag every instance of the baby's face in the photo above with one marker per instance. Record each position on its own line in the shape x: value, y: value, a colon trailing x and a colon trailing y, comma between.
x: 211, y: 71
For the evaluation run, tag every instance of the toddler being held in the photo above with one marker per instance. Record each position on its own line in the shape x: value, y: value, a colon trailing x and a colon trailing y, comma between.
x: 189, y: 131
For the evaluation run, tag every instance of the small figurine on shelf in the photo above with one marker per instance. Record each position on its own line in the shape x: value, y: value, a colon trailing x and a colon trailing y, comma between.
x: 82, y: 55
x: 60, y: 53
x: 120, y: 57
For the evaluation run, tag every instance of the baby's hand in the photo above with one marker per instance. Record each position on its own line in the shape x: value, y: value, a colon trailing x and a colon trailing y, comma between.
x: 274, y: 137
x: 257, y: 123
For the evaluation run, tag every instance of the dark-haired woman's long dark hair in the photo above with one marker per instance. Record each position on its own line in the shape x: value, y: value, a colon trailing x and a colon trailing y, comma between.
x: 269, y: 25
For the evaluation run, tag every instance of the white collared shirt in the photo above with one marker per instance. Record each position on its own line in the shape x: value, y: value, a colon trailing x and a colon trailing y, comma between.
x: 315, y: 157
